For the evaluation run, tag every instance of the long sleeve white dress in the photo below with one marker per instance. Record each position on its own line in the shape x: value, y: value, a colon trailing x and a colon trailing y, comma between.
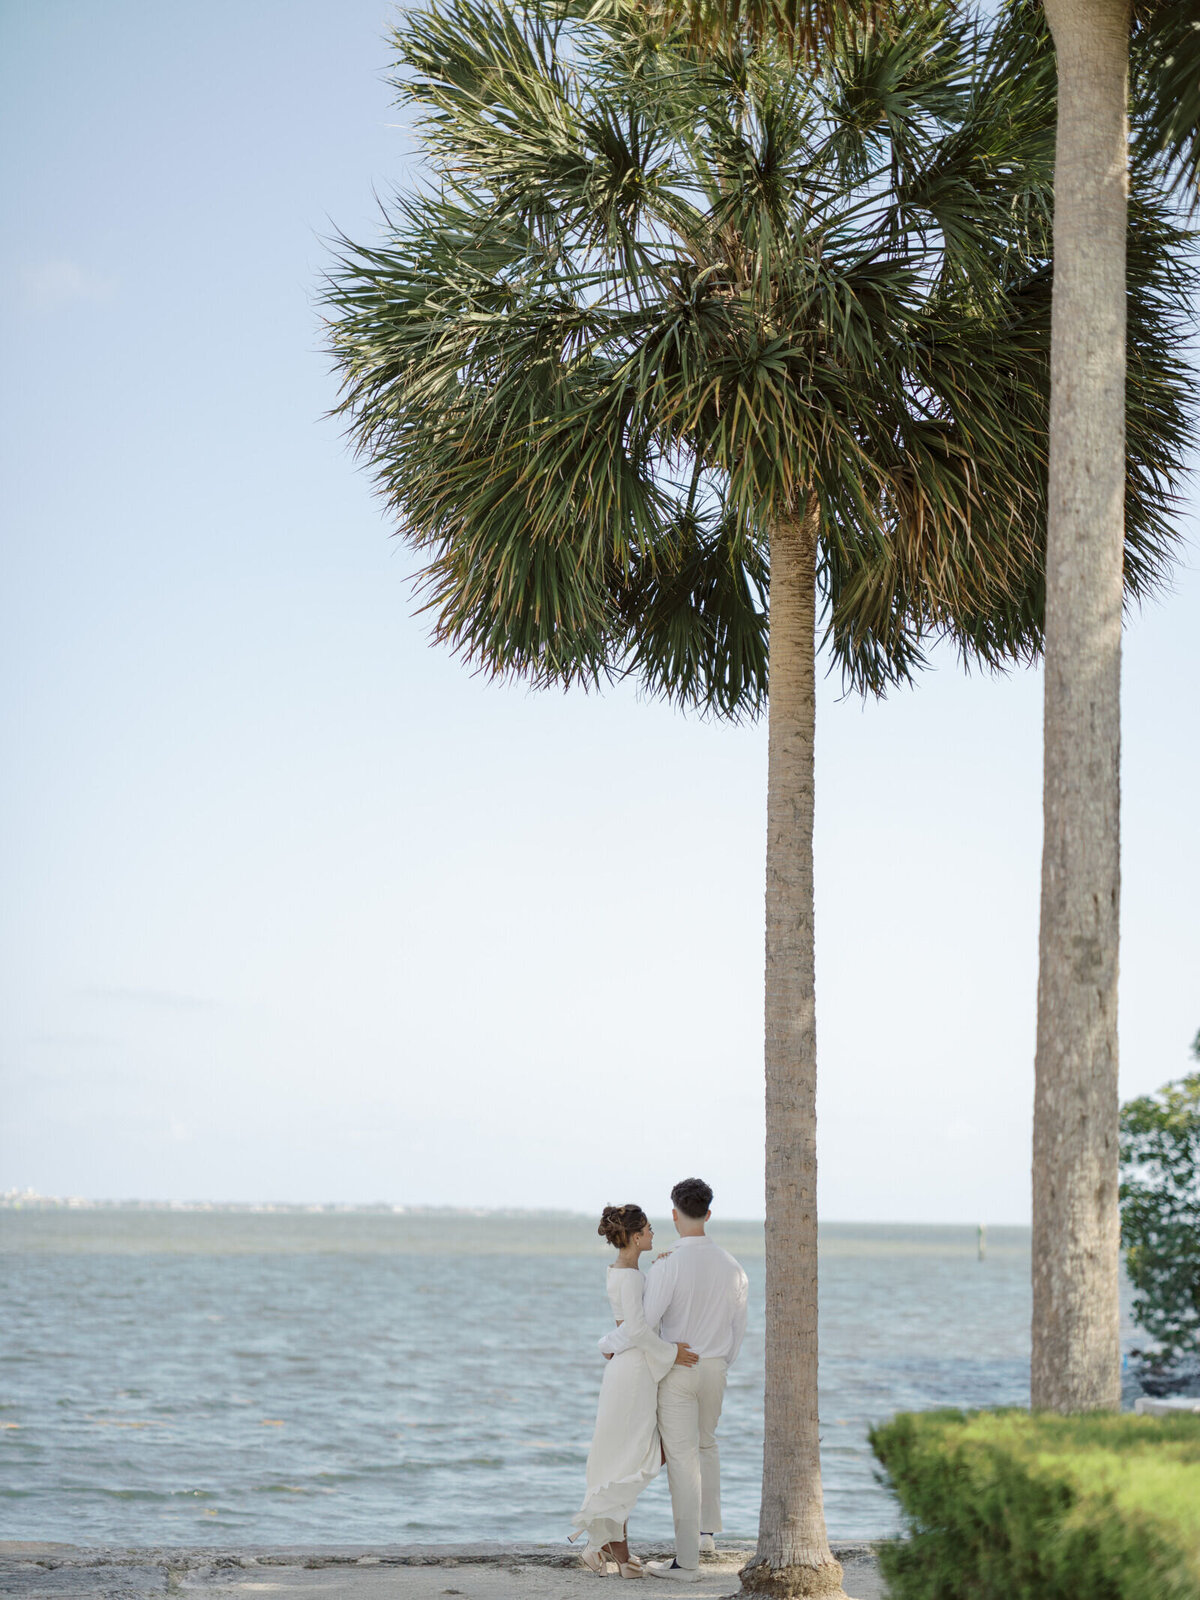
x: 625, y: 1451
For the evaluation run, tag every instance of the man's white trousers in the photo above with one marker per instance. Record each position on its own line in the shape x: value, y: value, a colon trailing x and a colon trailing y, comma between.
x: 689, y: 1408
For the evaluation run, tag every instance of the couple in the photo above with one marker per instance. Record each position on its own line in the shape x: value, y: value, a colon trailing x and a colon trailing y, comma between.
x: 678, y: 1329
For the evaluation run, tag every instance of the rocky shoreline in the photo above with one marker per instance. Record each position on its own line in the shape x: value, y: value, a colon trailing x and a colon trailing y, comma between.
x: 34, y: 1571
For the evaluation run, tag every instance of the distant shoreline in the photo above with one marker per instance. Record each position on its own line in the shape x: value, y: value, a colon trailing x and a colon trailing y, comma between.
x: 29, y: 1200
x: 25, y: 1200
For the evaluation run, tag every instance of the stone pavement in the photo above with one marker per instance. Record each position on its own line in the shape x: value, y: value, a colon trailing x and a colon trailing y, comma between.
x: 384, y: 1572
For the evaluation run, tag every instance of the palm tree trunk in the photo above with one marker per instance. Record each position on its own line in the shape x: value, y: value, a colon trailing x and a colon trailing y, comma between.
x: 793, y: 1555
x: 1076, y: 1231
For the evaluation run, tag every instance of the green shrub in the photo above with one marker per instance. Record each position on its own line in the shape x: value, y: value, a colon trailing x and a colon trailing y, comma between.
x: 1160, y: 1213
x: 1005, y: 1505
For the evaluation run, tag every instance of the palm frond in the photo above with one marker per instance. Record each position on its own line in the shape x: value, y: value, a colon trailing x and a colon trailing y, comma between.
x: 662, y: 293
x: 1165, y: 85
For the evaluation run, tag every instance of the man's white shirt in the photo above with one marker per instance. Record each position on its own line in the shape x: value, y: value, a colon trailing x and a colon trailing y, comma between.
x: 696, y: 1293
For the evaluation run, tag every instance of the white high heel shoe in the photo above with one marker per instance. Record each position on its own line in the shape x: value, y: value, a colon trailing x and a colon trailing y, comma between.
x: 594, y: 1560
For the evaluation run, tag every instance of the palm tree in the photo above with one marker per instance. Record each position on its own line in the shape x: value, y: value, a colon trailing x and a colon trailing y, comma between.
x: 1076, y: 1353
x: 679, y: 329
x: 1076, y: 1219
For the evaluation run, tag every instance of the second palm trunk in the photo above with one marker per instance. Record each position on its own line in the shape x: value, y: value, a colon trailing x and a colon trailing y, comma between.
x: 1076, y: 1223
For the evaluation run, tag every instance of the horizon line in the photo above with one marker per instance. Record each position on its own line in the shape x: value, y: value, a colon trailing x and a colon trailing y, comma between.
x: 29, y: 1199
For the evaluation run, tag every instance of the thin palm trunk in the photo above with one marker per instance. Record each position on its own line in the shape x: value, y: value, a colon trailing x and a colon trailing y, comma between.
x: 1076, y: 1233
x: 793, y: 1555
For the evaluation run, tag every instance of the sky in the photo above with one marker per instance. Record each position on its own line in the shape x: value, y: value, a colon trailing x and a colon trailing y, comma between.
x: 296, y: 908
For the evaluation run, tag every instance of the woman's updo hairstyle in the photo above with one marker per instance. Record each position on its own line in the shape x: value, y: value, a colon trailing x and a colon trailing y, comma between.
x: 618, y: 1224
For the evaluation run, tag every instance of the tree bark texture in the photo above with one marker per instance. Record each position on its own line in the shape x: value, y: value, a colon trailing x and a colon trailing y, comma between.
x: 1076, y: 1226
x: 793, y: 1555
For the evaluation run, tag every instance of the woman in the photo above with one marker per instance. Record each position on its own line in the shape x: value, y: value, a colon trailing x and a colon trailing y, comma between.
x: 625, y: 1452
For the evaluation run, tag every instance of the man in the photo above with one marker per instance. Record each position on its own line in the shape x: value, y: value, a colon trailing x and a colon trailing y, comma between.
x: 696, y: 1293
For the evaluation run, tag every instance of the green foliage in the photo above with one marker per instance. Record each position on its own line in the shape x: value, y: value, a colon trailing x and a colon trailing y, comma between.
x: 1160, y: 1212
x: 1165, y: 76
x: 1164, y: 59
x: 659, y: 296
x: 1003, y: 1505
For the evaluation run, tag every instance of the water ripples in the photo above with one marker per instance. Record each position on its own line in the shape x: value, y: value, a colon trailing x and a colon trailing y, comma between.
x: 330, y: 1390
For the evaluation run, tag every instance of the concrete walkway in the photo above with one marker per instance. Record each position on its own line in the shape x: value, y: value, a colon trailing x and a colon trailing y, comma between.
x: 382, y: 1572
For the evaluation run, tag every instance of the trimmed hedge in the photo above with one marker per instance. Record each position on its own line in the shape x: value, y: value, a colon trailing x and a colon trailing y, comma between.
x: 1005, y: 1505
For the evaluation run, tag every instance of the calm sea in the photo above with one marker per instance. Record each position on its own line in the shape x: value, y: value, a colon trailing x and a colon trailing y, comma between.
x: 233, y: 1377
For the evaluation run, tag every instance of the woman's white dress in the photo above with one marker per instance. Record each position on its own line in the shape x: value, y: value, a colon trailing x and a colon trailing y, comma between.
x: 625, y: 1451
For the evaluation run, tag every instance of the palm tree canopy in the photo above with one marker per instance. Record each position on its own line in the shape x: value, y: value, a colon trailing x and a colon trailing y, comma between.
x: 658, y: 297
x: 1165, y: 54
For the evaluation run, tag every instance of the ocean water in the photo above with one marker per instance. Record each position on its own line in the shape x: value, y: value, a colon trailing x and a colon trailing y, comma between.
x: 234, y: 1377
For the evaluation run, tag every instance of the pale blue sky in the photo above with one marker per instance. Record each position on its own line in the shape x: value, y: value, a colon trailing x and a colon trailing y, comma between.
x: 297, y: 909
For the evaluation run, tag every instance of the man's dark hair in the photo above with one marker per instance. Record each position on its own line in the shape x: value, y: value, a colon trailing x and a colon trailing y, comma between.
x: 693, y: 1197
